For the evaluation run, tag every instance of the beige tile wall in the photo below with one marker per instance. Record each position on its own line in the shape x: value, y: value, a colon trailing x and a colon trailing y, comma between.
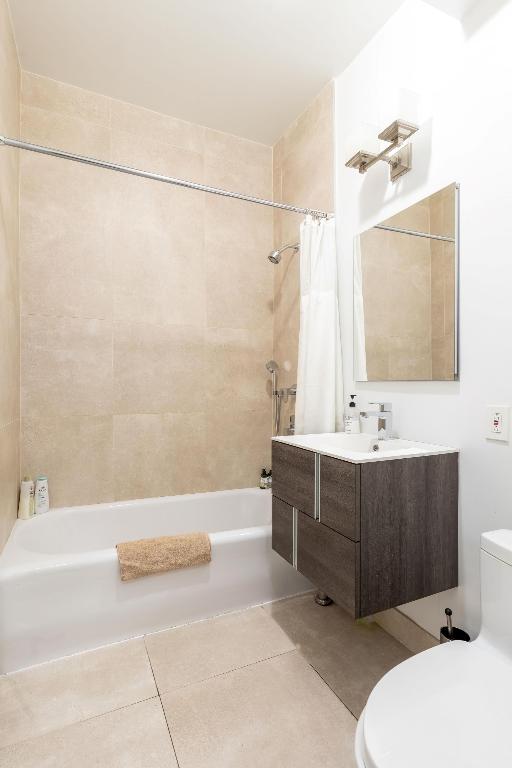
x: 146, y: 310
x: 9, y: 306
x: 303, y: 175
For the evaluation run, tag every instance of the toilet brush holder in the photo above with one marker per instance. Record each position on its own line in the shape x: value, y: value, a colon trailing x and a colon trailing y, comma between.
x: 450, y: 633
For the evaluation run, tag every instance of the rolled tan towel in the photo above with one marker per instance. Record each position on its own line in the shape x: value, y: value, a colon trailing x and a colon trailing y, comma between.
x: 165, y: 553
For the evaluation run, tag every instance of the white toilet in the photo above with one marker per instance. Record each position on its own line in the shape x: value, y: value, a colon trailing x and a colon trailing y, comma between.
x: 451, y: 705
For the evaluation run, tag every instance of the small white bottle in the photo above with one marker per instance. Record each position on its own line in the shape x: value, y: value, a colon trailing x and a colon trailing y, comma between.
x: 42, y: 498
x: 352, y: 424
x: 26, y: 505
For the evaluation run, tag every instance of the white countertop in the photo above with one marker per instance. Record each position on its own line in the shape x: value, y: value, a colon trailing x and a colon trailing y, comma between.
x: 360, y: 449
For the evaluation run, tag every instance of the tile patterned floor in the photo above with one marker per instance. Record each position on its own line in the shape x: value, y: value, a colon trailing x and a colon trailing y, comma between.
x: 274, y: 686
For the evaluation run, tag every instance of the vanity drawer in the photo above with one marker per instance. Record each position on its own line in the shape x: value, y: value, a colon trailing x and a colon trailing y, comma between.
x: 293, y: 476
x: 330, y: 561
x: 340, y: 496
x: 282, y: 529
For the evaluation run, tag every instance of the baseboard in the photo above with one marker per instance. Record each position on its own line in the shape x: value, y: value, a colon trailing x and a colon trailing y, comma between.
x: 405, y: 630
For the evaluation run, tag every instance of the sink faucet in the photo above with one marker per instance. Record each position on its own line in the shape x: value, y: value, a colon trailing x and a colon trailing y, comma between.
x: 379, y: 422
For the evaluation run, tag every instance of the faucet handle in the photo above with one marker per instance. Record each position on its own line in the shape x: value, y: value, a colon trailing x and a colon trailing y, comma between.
x: 383, y: 406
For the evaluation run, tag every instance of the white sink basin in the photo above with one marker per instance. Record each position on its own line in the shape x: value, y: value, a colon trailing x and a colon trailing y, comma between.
x: 362, y: 448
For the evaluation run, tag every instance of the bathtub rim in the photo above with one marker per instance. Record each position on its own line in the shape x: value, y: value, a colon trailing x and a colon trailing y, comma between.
x: 69, y: 561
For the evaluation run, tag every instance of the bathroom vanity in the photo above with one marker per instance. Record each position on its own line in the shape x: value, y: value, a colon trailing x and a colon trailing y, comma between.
x: 374, y: 524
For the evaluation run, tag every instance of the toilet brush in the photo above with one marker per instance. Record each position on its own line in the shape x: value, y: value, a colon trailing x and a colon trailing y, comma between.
x: 449, y: 632
x: 449, y: 626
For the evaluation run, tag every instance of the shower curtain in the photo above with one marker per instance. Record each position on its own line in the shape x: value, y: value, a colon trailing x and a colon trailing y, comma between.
x: 319, y: 404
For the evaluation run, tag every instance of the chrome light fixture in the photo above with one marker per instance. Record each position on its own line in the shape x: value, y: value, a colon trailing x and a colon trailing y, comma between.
x: 398, y: 155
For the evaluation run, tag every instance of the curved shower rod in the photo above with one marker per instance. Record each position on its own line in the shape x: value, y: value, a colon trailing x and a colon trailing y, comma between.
x: 16, y: 143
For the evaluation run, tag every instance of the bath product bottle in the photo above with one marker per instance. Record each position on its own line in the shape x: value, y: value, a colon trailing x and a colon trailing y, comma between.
x: 269, y: 479
x: 263, y: 479
x: 26, y: 506
x: 42, y: 498
x: 352, y: 425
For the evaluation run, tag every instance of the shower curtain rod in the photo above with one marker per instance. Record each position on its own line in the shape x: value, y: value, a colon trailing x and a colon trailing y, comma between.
x: 157, y: 177
x: 415, y: 233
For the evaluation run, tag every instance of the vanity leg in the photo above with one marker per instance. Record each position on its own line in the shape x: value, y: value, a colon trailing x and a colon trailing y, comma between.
x: 322, y: 599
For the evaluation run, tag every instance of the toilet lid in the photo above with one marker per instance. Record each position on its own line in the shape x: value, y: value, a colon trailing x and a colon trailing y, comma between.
x: 451, y: 705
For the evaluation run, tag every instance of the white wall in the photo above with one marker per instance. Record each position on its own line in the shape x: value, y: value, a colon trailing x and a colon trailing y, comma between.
x: 456, y: 82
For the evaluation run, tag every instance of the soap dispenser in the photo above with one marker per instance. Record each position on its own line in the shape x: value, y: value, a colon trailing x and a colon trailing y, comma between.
x: 352, y: 425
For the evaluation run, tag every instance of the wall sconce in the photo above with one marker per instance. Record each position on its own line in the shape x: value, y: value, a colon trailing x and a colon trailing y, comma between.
x: 398, y: 155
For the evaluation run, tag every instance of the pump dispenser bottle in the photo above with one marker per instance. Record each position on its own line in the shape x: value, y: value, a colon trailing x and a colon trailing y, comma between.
x: 352, y: 424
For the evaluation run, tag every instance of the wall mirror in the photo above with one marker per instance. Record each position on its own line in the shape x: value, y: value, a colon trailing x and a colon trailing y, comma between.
x: 406, y: 294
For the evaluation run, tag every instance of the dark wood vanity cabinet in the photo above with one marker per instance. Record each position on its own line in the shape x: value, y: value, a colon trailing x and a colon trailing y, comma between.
x: 372, y: 535
x: 293, y: 477
x: 283, y: 529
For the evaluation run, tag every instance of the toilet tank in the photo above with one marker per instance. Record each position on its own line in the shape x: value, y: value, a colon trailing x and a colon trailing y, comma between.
x: 496, y: 589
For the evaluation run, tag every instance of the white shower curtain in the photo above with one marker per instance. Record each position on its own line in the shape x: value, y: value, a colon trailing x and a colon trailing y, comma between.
x: 319, y: 404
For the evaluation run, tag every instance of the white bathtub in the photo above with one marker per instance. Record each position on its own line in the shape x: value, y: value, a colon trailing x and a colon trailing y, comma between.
x: 60, y: 590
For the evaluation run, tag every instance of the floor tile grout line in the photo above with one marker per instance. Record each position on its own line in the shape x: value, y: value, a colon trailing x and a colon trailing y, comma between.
x: 331, y: 689
x: 227, y: 672
x: 79, y: 722
x: 169, y: 730
x: 161, y: 703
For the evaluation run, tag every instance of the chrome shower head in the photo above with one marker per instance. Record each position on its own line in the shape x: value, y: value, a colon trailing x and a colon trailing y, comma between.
x: 272, y: 366
x: 275, y: 256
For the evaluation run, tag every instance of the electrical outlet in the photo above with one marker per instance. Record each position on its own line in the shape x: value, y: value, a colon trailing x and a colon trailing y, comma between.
x: 498, y: 417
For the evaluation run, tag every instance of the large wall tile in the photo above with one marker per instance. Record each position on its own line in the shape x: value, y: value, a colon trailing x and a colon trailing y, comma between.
x: 63, y: 195
x: 73, y: 266
x: 158, y: 260
x: 9, y: 201
x: 10, y: 75
x: 235, y: 149
x: 41, y: 126
x: 66, y: 367
x: 244, y: 178
x: 238, y: 446
x: 159, y: 455
x: 9, y: 337
x: 75, y: 453
x: 156, y: 157
x: 64, y: 99
x: 235, y: 368
x: 157, y: 368
x: 9, y: 477
x: 229, y: 222
x: 155, y: 126
x: 238, y: 287
x: 313, y: 128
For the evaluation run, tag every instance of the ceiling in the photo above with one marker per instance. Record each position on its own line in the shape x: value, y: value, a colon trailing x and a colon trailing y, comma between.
x: 457, y: 8
x: 247, y: 67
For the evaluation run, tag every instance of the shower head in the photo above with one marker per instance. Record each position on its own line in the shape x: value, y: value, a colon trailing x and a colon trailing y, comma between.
x: 272, y: 366
x: 275, y: 256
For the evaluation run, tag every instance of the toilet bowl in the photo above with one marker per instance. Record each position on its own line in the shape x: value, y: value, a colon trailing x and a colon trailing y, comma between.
x: 450, y: 705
